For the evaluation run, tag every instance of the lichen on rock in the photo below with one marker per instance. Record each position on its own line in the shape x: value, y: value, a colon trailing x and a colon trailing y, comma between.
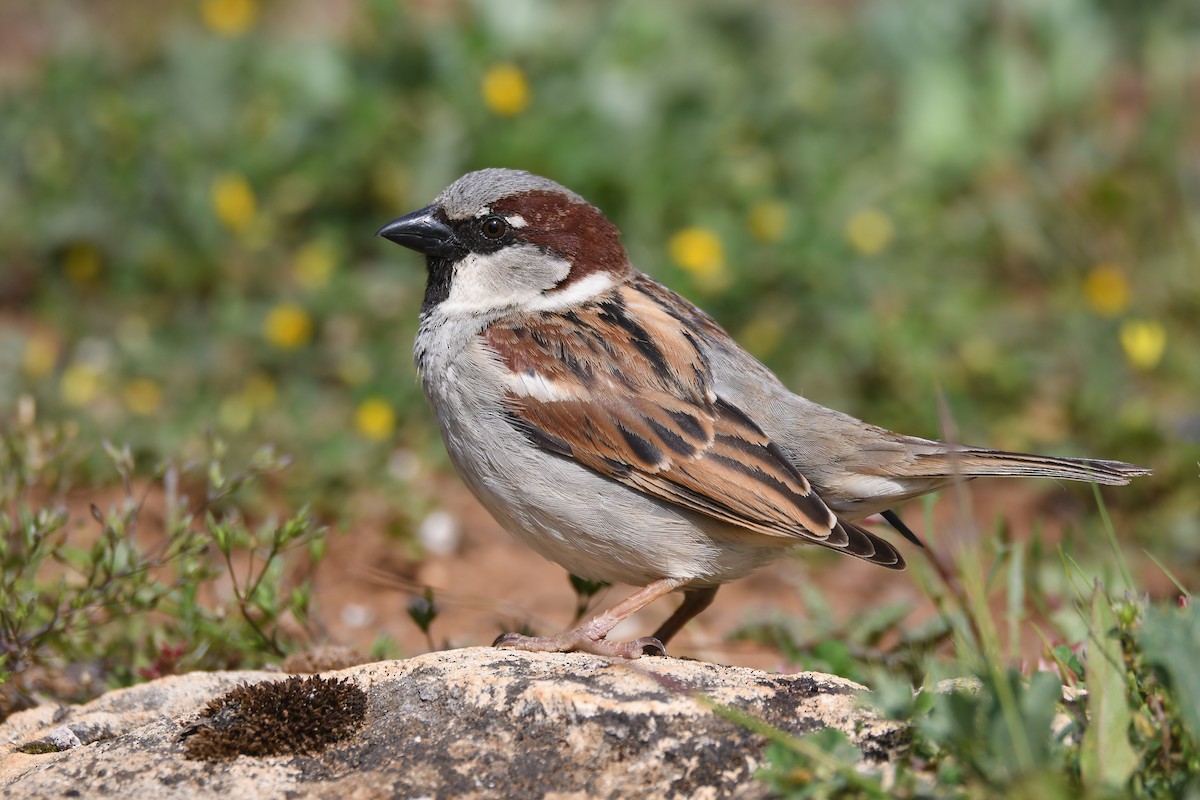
x: 296, y: 716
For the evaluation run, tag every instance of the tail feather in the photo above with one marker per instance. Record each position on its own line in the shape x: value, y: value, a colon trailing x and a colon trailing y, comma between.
x: 869, y: 547
x: 939, y: 467
x: 894, y: 520
x: 973, y: 462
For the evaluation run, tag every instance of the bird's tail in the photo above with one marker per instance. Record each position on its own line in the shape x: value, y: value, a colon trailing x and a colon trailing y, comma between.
x: 977, y: 462
x: 869, y: 547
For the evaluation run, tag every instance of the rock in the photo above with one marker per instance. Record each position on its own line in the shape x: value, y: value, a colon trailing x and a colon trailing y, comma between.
x: 470, y: 723
x: 63, y: 738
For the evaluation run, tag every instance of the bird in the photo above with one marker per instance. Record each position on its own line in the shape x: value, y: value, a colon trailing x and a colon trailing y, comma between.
x: 617, y: 430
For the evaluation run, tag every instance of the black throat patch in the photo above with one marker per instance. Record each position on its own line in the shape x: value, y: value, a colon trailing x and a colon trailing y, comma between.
x: 437, y: 285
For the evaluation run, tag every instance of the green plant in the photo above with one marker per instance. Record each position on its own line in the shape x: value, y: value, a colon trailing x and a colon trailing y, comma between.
x: 423, y: 611
x: 1128, y: 729
x: 134, y: 600
x: 585, y: 591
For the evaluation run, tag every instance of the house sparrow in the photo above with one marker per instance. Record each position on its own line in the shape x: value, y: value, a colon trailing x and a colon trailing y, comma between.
x: 616, y: 429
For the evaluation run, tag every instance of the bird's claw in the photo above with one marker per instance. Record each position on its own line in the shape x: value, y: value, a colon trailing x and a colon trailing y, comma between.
x: 576, y: 641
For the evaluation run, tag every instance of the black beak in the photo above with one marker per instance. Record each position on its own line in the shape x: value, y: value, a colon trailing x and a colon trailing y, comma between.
x: 423, y: 232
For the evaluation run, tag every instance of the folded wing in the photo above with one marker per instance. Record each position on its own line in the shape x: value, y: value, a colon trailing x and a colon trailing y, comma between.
x: 622, y: 387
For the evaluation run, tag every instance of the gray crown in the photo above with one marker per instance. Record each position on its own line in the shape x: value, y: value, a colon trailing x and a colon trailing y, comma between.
x: 475, y: 190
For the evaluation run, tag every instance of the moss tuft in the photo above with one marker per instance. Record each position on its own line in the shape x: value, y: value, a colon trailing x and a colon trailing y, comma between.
x: 296, y: 716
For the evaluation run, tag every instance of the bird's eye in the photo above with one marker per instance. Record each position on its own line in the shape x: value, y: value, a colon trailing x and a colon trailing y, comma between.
x: 494, y: 227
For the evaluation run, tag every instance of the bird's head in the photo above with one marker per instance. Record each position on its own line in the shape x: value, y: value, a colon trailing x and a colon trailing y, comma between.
x: 503, y: 239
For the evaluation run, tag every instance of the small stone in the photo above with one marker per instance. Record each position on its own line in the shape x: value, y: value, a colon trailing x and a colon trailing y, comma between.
x: 970, y: 686
x: 439, y: 532
x: 63, y: 738
x: 356, y: 615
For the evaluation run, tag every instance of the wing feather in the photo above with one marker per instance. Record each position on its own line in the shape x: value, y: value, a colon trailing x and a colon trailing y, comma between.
x: 621, y: 386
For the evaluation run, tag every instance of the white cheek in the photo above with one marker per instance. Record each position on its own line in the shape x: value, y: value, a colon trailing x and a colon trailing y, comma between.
x: 514, y: 277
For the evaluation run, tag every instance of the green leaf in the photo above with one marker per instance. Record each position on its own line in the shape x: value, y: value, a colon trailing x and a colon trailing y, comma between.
x: 1106, y: 758
x: 1063, y: 654
x: 586, y: 588
x: 1037, y: 704
x: 1170, y: 640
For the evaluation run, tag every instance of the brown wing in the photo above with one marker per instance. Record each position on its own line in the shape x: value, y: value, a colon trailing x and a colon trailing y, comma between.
x: 622, y: 387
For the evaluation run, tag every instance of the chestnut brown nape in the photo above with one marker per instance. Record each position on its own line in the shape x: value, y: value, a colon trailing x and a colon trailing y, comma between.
x: 575, y: 231
x: 297, y: 716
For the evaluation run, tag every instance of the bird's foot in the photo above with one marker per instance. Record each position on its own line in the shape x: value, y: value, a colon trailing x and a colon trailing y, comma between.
x: 591, y: 636
x: 579, y: 640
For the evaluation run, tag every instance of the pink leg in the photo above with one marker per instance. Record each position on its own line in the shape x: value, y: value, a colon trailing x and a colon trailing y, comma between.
x: 589, y: 635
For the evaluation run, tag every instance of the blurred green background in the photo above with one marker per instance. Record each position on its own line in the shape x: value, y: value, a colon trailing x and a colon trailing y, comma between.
x: 995, y: 201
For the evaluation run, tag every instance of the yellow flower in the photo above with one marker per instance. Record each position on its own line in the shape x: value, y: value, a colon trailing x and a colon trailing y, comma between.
x: 698, y: 250
x: 288, y: 326
x: 233, y: 201
x: 259, y: 391
x: 229, y: 17
x: 314, y: 265
x: 41, y: 354
x: 869, y: 231
x: 1144, y: 342
x: 82, y: 262
x: 235, y: 413
x: 142, y: 396
x: 237, y: 410
x: 767, y: 220
x: 79, y: 385
x: 505, y: 90
x: 375, y: 419
x: 1106, y: 290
